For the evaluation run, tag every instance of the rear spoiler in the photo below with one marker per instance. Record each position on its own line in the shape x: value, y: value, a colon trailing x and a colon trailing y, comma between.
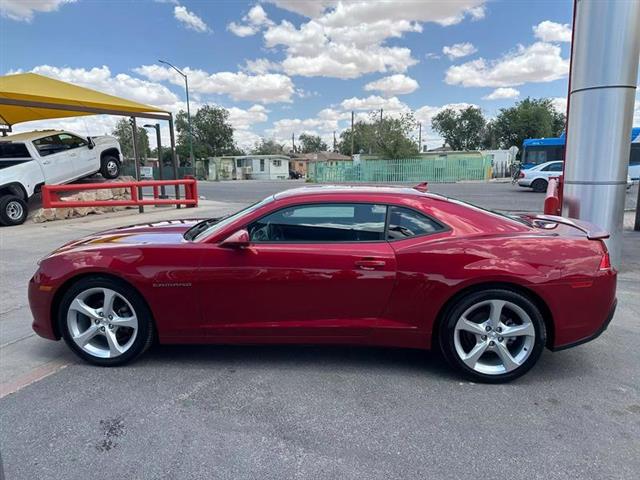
x: 592, y: 231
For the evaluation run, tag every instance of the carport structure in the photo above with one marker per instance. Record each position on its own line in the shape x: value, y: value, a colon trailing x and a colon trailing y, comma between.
x: 26, y: 97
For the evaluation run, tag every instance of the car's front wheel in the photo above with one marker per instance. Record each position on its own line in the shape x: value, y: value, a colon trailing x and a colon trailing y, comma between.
x: 104, y: 321
x: 110, y: 167
x: 493, y: 336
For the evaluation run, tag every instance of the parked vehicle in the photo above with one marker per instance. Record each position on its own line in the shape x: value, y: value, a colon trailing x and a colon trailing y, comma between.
x: 537, y: 151
x: 343, y: 265
x: 30, y: 160
x: 538, y: 177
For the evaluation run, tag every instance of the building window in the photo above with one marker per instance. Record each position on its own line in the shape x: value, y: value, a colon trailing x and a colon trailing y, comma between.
x: 262, y: 164
x: 277, y: 163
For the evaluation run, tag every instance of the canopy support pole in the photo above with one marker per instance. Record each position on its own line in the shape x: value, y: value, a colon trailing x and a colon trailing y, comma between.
x: 173, y: 155
x: 134, y: 139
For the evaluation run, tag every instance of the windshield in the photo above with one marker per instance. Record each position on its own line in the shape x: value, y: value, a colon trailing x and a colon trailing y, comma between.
x: 212, y: 225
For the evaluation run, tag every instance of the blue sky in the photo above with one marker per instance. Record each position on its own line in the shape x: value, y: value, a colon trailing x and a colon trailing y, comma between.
x: 284, y: 66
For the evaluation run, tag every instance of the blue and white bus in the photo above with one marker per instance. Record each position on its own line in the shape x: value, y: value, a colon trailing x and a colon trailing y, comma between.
x: 540, y: 150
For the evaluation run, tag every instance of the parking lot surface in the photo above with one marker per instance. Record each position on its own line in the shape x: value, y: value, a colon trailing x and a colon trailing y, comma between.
x: 308, y: 412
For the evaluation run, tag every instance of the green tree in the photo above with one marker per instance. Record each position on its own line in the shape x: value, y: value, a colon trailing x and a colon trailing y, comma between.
x: 124, y: 133
x: 529, y: 118
x: 267, y: 147
x: 389, y: 138
x: 311, y: 143
x: 461, y: 129
x: 212, y: 133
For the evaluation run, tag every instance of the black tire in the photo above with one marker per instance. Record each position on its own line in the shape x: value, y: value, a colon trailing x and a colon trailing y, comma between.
x: 13, y: 210
x: 145, y: 333
x: 539, y: 185
x: 447, y: 334
x: 110, y: 167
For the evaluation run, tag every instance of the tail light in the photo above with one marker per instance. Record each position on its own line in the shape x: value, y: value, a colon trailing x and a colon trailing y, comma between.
x: 605, y: 261
x: 521, y: 175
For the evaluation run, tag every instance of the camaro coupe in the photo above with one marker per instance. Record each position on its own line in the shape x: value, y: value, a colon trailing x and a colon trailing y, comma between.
x: 384, y: 266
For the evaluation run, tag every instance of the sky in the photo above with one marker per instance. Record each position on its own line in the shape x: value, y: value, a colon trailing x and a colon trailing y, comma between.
x: 295, y: 66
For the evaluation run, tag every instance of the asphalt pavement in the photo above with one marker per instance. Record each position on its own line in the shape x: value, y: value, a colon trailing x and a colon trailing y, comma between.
x: 308, y: 412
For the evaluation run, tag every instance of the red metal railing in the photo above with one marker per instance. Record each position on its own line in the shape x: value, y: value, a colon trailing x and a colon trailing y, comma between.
x: 51, y: 197
x: 552, y: 200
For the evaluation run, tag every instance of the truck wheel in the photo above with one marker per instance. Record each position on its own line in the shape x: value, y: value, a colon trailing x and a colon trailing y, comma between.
x: 13, y: 210
x: 110, y: 167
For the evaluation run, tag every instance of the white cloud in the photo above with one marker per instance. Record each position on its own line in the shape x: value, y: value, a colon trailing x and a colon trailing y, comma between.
x: 374, y: 102
x: 254, y: 20
x: 261, y: 66
x: 426, y: 113
x: 459, y: 50
x: 393, y: 85
x: 548, y: 31
x: 347, y: 39
x: 540, y: 62
x: 266, y: 88
x: 190, y: 19
x: 24, y: 10
x: 502, y: 92
x: 122, y: 85
x: 244, y: 119
x: 560, y: 104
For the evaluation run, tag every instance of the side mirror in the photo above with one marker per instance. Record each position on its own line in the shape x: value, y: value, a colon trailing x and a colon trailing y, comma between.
x: 90, y: 143
x: 239, y: 239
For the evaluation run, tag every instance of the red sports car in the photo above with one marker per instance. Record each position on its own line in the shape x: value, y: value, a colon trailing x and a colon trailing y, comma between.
x: 337, y: 265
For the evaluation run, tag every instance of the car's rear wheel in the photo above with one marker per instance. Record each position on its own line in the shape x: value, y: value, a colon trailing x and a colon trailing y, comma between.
x: 110, y: 167
x: 13, y: 210
x: 493, y: 336
x: 105, y: 322
x: 539, y: 185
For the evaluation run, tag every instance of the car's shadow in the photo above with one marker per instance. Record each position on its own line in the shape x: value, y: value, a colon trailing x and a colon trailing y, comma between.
x: 551, y: 367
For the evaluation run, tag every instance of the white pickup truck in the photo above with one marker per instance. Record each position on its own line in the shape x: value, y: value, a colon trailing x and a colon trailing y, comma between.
x: 30, y: 160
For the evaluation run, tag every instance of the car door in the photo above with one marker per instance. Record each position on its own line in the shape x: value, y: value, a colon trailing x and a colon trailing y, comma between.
x: 57, y: 164
x: 83, y: 157
x: 314, y: 270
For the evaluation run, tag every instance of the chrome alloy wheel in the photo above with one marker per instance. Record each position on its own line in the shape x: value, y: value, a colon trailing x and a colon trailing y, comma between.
x: 112, y: 167
x: 494, y: 337
x: 14, y: 210
x: 102, y: 322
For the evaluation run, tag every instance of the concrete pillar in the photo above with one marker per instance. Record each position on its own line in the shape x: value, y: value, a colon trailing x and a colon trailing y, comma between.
x: 604, y: 70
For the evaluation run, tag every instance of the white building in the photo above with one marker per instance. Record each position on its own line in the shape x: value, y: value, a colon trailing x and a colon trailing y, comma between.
x: 501, y: 161
x: 264, y: 167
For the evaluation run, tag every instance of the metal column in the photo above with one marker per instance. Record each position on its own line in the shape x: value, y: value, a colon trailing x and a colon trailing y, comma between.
x: 136, y: 159
x: 173, y: 155
x: 604, y: 69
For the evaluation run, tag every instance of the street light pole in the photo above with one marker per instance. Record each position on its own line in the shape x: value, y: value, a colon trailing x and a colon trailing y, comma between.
x: 186, y: 87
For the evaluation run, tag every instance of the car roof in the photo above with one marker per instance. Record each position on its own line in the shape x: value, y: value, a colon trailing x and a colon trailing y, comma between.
x: 338, y: 190
x: 26, y: 136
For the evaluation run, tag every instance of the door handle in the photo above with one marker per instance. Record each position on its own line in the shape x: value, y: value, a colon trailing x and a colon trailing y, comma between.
x: 370, y: 263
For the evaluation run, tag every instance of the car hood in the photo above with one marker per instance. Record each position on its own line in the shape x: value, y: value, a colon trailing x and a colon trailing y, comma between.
x: 167, y: 232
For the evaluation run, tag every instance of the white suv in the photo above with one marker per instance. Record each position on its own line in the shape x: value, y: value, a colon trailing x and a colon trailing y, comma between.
x: 30, y: 160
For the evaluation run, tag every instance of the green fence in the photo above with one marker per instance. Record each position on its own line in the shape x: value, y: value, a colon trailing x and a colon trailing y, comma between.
x: 435, y: 170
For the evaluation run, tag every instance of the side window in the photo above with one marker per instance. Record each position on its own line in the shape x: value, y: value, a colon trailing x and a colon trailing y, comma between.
x: 329, y: 222
x: 262, y: 164
x: 71, y: 141
x: 554, y: 167
x: 634, y: 157
x: 48, y: 145
x: 405, y: 223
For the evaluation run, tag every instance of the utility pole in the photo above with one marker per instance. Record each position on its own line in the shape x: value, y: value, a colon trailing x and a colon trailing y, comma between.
x: 334, y: 141
x: 353, y: 132
x: 380, y: 118
x: 134, y: 140
x: 186, y: 87
x: 293, y: 141
x: 420, y: 137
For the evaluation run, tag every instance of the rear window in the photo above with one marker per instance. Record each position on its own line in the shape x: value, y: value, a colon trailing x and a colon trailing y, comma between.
x: 10, y: 150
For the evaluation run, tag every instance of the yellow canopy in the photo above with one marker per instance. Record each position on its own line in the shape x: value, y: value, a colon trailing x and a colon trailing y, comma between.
x: 28, y: 96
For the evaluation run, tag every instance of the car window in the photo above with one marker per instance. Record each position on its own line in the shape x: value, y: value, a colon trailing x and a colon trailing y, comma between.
x: 13, y: 150
x: 48, y: 145
x: 634, y: 158
x: 330, y: 222
x: 554, y: 167
x: 406, y: 223
x: 71, y: 141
